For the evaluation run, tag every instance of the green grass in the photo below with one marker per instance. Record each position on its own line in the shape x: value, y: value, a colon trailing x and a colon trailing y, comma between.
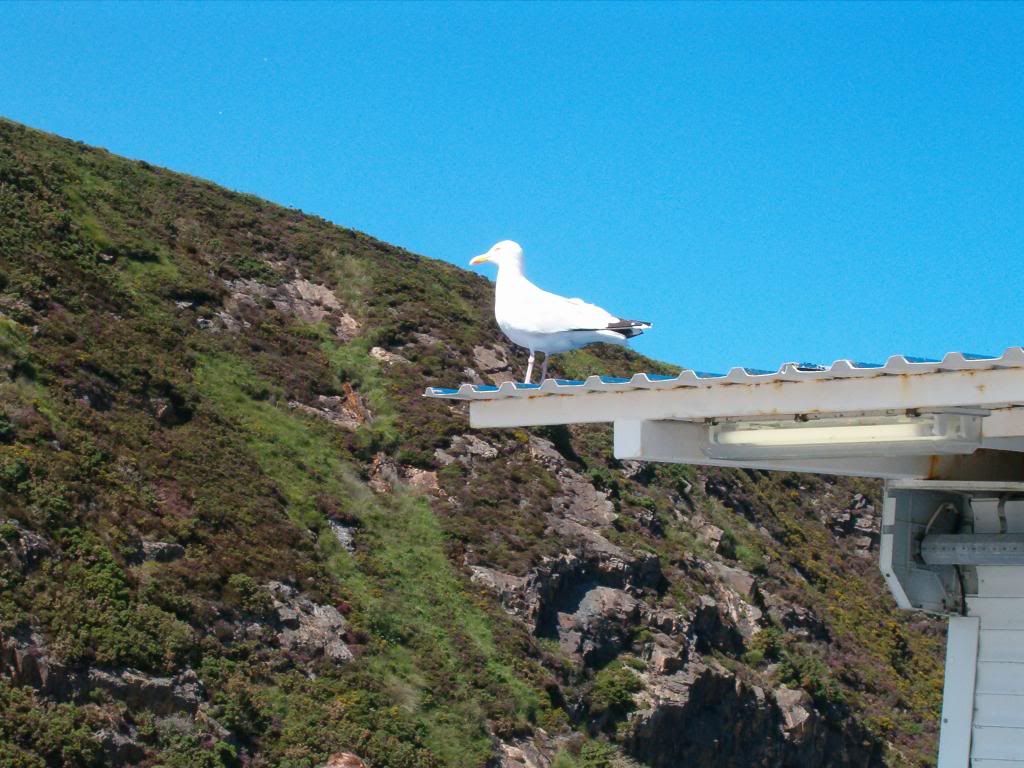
x: 427, y: 631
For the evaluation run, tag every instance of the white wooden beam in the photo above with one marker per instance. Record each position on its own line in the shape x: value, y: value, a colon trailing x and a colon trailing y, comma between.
x: 991, y: 388
x: 958, y: 692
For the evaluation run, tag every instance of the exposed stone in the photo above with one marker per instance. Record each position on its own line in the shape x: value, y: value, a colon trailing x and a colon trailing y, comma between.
x: 20, y: 548
x: 426, y: 339
x: 25, y: 660
x: 695, y: 717
x: 544, y: 452
x: 390, y: 358
x: 797, y: 619
x: 600, y: 627
x: 863, y: 545
x: 223, y: 320
x: 501, y: 377
x: 666, y: 655
x: 708, y: 533
x: 464, y: 448
x: 633, y: 469
x: 422, y: 480
x: 162, y: 551
x: 309, y: 630
x: 581, y: 501
x: 711, y: 631
x: 288, y: 617
x: 513, y: 592
x: 490, y: 359
x: 345, y: 534
x: 525, y: 753
x: 348, y: 327
x: 343, y: 760
x: 665, y: 621
x: 794, y: 704
x: 118, y: 748
x: 308, y: 302
x: 347, y: 410
x: 549, y: 598
x: 616, y: 566
x: 735, y: 578
x: 384, y: 474
x: 858, y: 523
x: 703, y: 715
x: 553, y: 599
x: 737, y: 590
x: 160, y: 695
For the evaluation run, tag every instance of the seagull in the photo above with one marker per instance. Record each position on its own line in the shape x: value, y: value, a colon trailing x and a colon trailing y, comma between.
x: 545, y: 322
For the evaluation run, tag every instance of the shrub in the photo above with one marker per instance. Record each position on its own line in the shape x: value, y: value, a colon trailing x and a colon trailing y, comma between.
x: 243, y: 590
x: 613, y: 689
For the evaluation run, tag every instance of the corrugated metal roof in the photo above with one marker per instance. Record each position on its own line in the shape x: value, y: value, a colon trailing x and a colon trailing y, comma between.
x: 1013, y: 357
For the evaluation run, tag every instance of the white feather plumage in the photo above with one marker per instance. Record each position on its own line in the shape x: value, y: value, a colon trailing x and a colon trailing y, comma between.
x: 541, y: 321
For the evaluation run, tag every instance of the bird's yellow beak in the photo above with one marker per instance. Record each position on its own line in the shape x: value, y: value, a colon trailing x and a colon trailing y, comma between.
x: 481, y: 259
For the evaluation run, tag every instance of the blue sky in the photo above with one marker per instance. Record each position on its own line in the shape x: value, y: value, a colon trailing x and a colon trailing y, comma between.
x: 765, y: 182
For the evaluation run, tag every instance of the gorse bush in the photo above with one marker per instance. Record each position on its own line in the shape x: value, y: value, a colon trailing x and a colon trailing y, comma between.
x: 613, y: 689
x: 92, y: 615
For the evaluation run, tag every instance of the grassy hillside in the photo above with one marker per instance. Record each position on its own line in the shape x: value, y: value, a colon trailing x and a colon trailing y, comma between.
x: 217, y: 472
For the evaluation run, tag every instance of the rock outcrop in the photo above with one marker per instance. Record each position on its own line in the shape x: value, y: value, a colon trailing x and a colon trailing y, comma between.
x: 600, y: 627
x: 308, y: 631
x: 304, y: 300
x: 704, y: 715
x: 182, y: 693
x: 344, y: 760
x: 21, y: 549
x: 27, y: 661
x: 859, y: 523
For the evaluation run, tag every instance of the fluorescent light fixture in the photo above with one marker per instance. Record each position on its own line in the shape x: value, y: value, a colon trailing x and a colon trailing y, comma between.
x: 923, y: 435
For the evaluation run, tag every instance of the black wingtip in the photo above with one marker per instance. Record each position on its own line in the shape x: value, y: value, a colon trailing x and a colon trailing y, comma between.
x: 622, y: 324
x: 628, y: 328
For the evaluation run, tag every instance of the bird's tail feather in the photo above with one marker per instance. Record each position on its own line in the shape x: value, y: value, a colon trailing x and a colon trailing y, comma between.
x: 628, y: 328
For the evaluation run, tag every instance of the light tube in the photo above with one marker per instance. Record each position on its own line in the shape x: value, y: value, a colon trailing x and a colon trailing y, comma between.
x: 865, y: 436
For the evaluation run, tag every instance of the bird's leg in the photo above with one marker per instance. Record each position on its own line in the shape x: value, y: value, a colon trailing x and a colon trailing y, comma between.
x: 529, y: 369
x: 544, y: 368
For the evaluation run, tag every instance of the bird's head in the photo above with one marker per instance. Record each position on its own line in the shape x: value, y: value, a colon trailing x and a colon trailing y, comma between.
x: 505, y: 253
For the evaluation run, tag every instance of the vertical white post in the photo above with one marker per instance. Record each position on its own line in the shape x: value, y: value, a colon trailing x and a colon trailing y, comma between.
x: 958, y: 692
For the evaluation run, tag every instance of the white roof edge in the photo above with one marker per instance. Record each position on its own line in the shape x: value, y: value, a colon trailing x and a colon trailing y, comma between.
x: 897, y: 365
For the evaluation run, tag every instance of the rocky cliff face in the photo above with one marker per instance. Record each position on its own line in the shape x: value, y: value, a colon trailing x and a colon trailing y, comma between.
x: 691, y: 703
x: 232, y: 532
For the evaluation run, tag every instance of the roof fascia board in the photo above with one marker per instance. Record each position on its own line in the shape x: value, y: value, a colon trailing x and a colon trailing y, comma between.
x: 995, y: 387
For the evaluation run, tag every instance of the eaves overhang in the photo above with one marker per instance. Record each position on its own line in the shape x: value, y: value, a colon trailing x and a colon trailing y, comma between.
x: 668, y: 418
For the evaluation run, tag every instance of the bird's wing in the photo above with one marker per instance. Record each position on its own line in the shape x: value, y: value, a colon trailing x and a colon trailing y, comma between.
x: 538, y: 311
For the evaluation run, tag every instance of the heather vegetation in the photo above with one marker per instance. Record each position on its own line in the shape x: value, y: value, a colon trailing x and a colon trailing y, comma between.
x: 213, y: 445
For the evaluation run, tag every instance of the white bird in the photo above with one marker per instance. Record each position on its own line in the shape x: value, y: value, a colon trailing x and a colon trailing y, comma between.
x: 544, y: 322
